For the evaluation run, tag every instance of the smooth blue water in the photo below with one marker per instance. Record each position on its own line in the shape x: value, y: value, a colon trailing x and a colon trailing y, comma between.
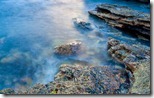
x: 30, y: 29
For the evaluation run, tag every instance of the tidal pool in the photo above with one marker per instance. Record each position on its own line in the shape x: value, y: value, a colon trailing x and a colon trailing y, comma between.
x: 30, y: 29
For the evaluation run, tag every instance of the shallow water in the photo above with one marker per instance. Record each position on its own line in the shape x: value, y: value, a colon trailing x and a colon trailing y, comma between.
x: 30, y: 29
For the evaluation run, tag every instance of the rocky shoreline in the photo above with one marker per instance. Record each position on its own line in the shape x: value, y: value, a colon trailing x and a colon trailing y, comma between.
x: 84, y: 78
x: 137, y: 60
x: 122, y: 17
x: 80, y: 78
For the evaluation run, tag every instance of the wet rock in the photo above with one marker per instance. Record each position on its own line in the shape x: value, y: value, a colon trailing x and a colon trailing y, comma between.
x: 68, y: 49
x: 83, y: 24
x: 92, y: 80
x: 124, y: 18
x: 128, y: 55
x: 7, y: 91
x: 137, y: 59
x: 142, y: 78
x: 38, y: 89
x: 80, y: 78
x: 112, y: 42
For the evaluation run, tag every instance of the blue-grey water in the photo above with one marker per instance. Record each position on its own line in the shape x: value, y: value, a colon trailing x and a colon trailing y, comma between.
x: 30, y: 29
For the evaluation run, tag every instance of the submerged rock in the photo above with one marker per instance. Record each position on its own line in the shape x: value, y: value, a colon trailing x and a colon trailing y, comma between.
x: 68, y: 49
x: 83, y: 24
x: 124, y: 18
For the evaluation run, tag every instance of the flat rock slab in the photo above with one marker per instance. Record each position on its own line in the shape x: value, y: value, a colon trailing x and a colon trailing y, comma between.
x: 124, y: 18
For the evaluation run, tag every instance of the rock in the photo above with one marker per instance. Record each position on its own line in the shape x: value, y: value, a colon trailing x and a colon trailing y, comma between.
x: 112, y: 42
x: 85, y: 79
x: 124, y: 18
x: 128, y: 55
x: 7, y: 91
x: 68, y: 49
x: 142, y: 78
x: 137, y: 60
x: 81, y: 78
x: 83, y: 24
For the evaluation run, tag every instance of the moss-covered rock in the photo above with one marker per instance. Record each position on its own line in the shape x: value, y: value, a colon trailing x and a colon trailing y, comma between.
x: 142, y: 78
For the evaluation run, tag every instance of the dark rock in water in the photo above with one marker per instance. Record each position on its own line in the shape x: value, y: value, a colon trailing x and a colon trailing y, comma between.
x: 69, y: 48
x: 124, y: 18
x: 83, y: 24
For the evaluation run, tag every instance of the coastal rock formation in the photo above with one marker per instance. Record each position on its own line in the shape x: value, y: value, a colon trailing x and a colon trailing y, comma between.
x: 68, y: 49
x: 93, y: 79
x: 142, y: 78
x: 7, y: 91
x: 85, y: 79
x: 128, y: 55
x: 137, y: 60
x: 124, y: 18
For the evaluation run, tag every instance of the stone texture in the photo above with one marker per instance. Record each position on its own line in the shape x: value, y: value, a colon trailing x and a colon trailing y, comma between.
x: 137, y: 60
x: 7, y: 91
x: 71, y: 48
x: 142, y: 78
x: 85, y: 79
x: 124, y: 18
x: 128, y: 55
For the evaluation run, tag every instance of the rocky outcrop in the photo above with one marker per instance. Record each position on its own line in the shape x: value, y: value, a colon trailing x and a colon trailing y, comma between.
x: 137, y: 60
x: 81, y: 23
x: 128, y: 55
x: 85, y: 79
x: 68, y: 49
x: 93, y: 79
x: 124, y: 18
